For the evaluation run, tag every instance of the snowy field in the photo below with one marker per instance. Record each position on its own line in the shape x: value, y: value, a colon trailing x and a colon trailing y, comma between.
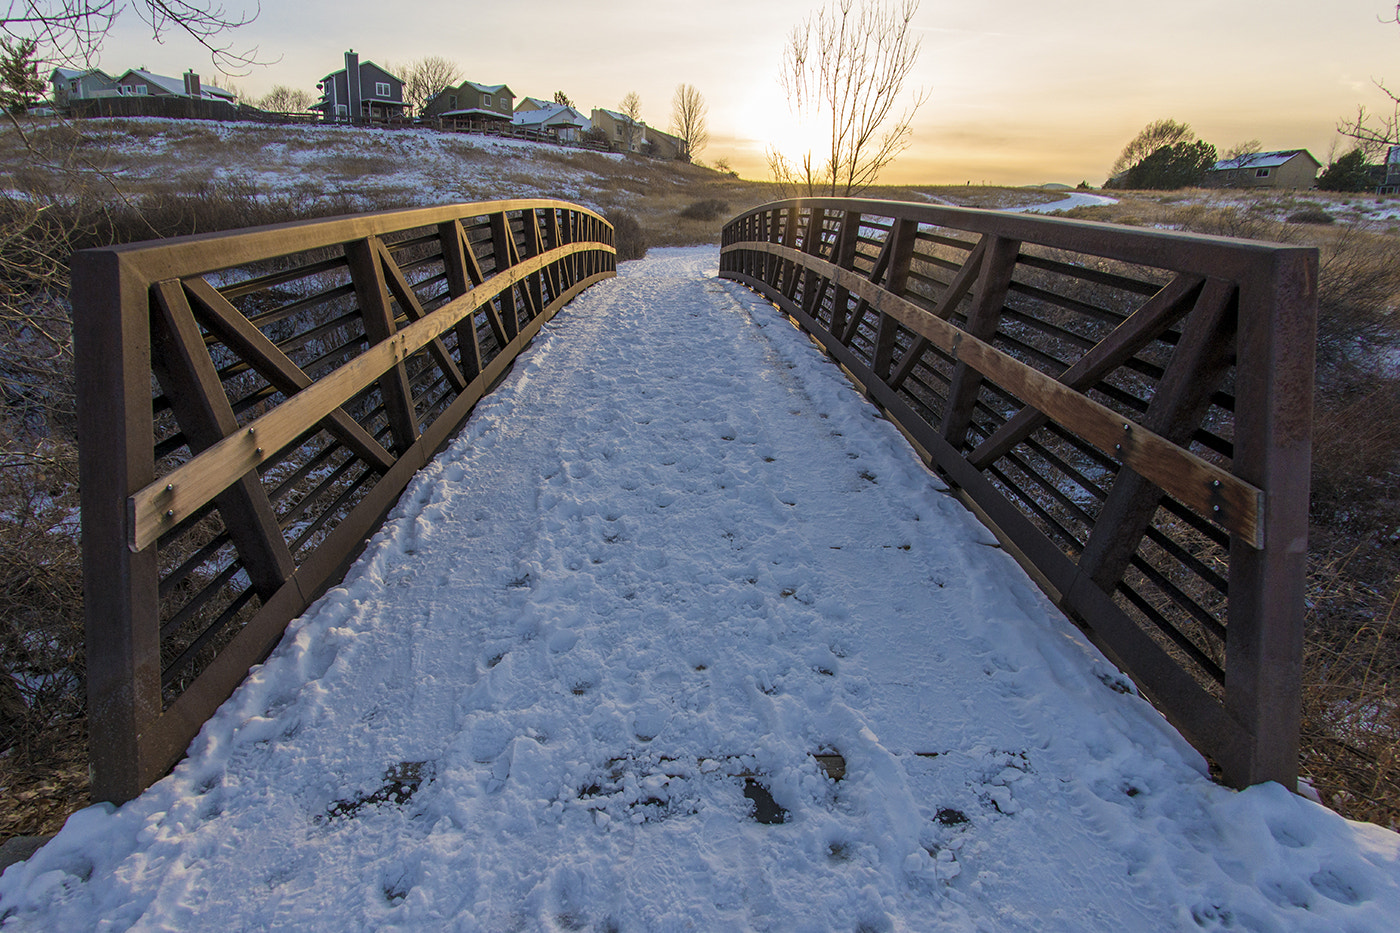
x: 673, y: 558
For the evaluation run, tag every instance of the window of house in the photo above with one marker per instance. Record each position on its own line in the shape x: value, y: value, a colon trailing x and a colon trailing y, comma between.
x: 341, y: 110
x: 452, y: 101
x: 486, y: 100
x: 504, y: 105
x: 1261, y: 173
x: 381, y: 89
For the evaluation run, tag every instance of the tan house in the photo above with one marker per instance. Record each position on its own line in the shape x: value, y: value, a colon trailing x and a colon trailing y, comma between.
x: 472, y: 105
x: 1289, y: 168
x: 620, y: 131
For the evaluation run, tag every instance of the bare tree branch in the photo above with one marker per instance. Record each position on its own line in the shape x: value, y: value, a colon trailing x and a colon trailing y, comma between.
x: 73, y: 30
x: 425, y: 78
x: 847, y: 68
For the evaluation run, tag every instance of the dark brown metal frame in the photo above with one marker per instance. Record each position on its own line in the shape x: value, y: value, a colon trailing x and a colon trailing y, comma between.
x: 1129, y: 410
x: 251, y: 404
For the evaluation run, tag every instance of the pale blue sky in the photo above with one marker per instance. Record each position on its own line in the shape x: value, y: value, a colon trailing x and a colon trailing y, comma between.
x: 1021, y: 91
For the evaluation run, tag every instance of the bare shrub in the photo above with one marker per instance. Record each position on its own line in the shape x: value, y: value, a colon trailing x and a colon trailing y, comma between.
x: 708, y: 209
x: 629, y: 238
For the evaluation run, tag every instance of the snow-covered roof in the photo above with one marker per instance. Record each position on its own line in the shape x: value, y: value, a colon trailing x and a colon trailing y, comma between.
x: 176, y: 86
x: 551, y: 115
x: 488, y: 88
x: 1261, y: 160
x: 535, y: 103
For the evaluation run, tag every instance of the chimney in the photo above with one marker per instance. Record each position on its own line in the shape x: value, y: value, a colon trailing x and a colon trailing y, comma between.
x: 192, y: 85
x: 352, y: 83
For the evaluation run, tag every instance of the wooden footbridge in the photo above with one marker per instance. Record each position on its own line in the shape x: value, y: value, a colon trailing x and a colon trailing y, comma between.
x: 1128, y: 410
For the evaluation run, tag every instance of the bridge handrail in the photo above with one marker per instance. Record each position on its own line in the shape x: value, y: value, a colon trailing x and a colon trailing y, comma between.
x: 1129, y: 410
x: 250, y: 406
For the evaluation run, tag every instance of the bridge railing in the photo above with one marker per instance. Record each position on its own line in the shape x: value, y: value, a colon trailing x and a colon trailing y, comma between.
x: 250, y: 406
x: 1130, y: 411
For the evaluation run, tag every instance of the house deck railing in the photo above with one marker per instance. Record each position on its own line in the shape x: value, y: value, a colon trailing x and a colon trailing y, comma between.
x: 250, y: 406
x: 1130, y: 410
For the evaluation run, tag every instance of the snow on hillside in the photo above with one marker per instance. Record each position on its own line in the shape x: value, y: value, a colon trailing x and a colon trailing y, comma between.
x: 579, y: 679
x: 369, y: 166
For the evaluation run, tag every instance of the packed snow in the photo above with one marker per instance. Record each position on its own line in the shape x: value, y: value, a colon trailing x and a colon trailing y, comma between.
x: 582, y: 677
x: 1068, y: 202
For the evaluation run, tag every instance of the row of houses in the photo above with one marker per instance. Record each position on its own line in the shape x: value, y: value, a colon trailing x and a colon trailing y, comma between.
x: 72, y: 85
x: 363, y: 92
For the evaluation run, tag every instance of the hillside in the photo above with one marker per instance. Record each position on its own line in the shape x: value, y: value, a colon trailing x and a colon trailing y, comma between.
x: 98, y: 182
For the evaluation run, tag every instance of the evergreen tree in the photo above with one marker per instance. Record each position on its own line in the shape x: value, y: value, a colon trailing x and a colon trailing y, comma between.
x: 20, y: 84
x: 1348, y: 173
x: 1175, y: 166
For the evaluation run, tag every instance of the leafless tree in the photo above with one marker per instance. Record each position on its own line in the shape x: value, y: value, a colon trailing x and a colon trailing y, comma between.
x: 1247, y: 148
x: 1153, y: 136
x: 631, y: 107
x: 847, y: 68
x: 562, y: 99
x: 283, y: 99
x: 425, y: 78
x: 72, y: 31
x: 689, y: 120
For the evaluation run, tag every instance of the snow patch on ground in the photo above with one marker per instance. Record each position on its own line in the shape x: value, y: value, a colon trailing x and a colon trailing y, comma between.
x: 579, y: 678
x: 1069, y: 202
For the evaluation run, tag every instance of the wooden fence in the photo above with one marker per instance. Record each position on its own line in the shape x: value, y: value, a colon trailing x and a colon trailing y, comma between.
x: 1129, y: 410
x: 250, y: 406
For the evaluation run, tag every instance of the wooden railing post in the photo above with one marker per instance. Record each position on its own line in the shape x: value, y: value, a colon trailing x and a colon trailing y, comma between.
x: 112, y: 360
x: 1273, y: 443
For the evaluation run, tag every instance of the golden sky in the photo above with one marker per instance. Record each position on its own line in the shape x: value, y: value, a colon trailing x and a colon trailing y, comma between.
x: 1020, y: 91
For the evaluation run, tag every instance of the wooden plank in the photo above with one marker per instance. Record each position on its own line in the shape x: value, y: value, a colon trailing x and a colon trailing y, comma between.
x: 230, y: 326
x: 1194, y: 482
x: 189, y: 380
x: 168, y: 500
x: 1140, y: 328
x: 372, y: 294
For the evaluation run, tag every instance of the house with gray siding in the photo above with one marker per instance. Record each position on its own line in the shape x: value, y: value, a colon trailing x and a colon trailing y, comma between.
x: 360, y: 92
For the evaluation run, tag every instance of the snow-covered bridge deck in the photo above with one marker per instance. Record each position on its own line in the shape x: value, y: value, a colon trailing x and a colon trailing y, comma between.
x: 673, y: 558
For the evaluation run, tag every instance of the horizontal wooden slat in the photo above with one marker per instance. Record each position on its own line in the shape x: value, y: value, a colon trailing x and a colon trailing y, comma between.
x: 1234, y: 504
x: 170, y: 498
